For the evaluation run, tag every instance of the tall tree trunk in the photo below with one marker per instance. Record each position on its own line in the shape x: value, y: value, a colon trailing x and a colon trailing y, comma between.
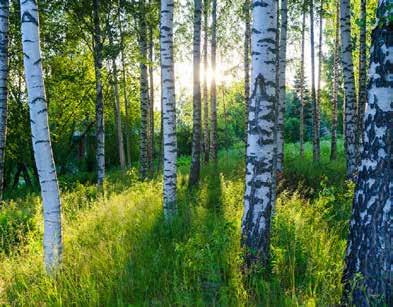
x: 320, y: 61
x: 119, y: 128
x: 281, y: 84
x: 333, y: 151
x: 205, y: 90
x: 259, y: 195
x: 362, y: 88
x: 247, y: 43
x: 124, y: 81
x: 315, y: 137
x: 196, y: 129
x: 302, y: 103
x: 213, y: 90
x: 151, y: 106
x: 349, y: 87
x: 369, y: 262
x: 4, y: 26
x: 144, y: 87
x: 169, y: 107
x: 40, y: 135
x: 100, y: 132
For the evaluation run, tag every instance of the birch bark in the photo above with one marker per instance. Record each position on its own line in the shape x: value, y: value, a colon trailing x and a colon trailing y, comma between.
x: 259, y: 195
x: 169, y: 107
x: 349, y: 87
x: 369, y: 257
x: 43, y: 154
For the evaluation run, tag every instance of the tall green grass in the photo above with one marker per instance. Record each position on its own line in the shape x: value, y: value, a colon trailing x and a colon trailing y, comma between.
x: 118, y: 251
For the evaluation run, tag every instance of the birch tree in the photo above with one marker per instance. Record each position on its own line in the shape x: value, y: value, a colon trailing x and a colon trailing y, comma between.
x: 281, y: 84
x: 100, y: 132
x: 151, y: 101
x: 196, y: 127
x: 42, y: 147
x: 320, y: 61
x: 118, y: 122
x: 362, y: 75
x: 4, y: 27
x: 144, y: 88
x: 333, y: 150
x: 247, y: 42
x: 302, y: 102
x: 349, y: 87
x: 213, y: 89
x: 124, y: 81
x: 315, y: 138
x: 260, y: 174
x: 369, y: 262
x: 169, y: 107
x: 206, y: 146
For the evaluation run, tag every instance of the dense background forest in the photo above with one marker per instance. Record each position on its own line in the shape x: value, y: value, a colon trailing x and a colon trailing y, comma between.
x: 205, y: 152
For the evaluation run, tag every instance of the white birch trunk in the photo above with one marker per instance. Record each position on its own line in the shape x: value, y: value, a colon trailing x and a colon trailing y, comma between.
x: 40, y: 135
x: 349, y: 87
x: 169, y: 107
x: 259, y: 194
x: 369, y: 257
x: 4, y: 26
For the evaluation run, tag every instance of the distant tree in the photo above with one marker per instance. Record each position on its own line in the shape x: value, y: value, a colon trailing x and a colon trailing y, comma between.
x: 315, y: 139
x: 100, y: 130
x: 362, y: 75
x: 196, y: 130
x: 281, y: 84
x: 206, y: 135
x: 369, y: 262
x: 213, y: 90
x: 4, y: 28
x: 302, y: 84
x: 144, y: 89
x: 40, y: 135
x: 333, y: 151
x: 115, y: 83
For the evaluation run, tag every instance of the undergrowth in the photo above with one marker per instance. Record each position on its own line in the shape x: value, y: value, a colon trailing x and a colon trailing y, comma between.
x: 118, y: 251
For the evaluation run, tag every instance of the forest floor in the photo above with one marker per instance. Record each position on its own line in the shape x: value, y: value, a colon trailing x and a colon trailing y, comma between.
x: 118, y: 251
